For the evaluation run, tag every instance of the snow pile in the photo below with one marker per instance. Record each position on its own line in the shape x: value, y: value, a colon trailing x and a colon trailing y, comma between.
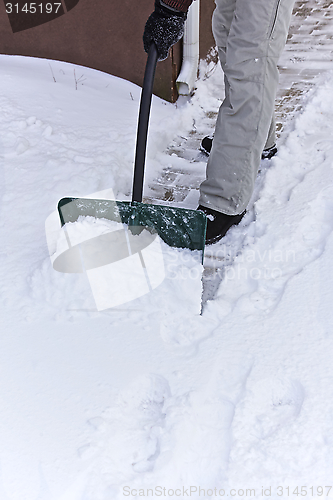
x: 61, y: 141
x: 150, y: 398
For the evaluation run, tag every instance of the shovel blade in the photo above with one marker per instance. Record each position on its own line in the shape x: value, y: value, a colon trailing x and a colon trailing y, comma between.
x: 177, y: 227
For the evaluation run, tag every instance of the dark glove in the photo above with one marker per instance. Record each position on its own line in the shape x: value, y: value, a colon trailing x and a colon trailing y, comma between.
x: 165, y: 27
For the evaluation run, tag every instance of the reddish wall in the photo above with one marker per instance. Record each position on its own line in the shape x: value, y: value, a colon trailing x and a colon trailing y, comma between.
x: 101, y: 34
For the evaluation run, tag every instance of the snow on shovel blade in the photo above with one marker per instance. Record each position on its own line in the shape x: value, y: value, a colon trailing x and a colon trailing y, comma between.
x: 177, y: 227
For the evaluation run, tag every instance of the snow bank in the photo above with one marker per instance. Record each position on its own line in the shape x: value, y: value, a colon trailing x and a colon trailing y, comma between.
x: 152, y: 395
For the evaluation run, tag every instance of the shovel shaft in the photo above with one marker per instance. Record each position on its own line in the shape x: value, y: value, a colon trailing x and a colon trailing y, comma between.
x: 142, y: 133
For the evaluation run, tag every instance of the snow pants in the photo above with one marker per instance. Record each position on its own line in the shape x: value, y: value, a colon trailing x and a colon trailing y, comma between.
x: 250, y: 36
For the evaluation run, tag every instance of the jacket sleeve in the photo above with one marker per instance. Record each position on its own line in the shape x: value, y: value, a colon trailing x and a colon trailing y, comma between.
x: 181, y: 5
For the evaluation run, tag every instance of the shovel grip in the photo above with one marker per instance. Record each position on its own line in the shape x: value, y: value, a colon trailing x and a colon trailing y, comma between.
x: 142, y: 133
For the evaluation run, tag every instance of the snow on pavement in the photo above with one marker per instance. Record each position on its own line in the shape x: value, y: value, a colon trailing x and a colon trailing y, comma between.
x: 151, y: 399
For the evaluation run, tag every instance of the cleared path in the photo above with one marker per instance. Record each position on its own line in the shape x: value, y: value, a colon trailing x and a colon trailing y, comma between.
x: 308, y: 54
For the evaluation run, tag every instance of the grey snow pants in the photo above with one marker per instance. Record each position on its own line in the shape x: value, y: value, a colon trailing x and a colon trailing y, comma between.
x: 250, y: 36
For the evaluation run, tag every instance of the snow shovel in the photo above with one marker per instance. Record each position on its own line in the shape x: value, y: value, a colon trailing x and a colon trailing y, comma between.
x: 177, y: 227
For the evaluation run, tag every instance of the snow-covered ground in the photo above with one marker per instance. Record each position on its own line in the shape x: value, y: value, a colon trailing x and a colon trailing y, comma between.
x: 151, y: 399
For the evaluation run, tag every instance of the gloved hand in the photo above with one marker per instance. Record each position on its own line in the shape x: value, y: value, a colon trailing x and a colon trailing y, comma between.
x: 165, y: 27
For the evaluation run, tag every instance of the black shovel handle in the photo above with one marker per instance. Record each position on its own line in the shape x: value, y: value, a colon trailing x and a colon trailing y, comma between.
x: 141, y: 138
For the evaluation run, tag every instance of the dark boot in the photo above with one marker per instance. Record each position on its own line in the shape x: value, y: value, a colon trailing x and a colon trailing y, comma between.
x: 218, y: 223
x: 206, y: 146
x: 268, y: 153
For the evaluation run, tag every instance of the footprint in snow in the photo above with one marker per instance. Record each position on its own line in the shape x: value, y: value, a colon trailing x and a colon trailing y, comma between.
x: 197, y: 437
x: 128, y: 433
x: 277, y: 402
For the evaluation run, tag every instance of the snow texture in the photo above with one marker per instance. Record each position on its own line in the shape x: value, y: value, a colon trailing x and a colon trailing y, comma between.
x: 149, y: 398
